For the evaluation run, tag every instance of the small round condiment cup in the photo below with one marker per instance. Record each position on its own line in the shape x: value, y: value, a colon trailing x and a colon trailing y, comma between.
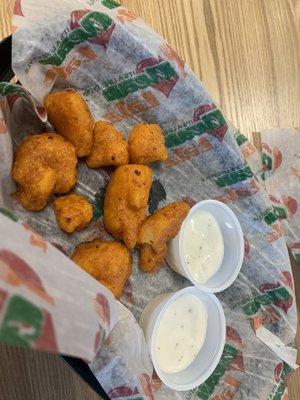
x: 233, y: 247
x: 210, y: 353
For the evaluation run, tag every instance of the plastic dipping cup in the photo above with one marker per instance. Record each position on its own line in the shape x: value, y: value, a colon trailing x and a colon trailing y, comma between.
x: 210, y: 353
x: 233, y: 247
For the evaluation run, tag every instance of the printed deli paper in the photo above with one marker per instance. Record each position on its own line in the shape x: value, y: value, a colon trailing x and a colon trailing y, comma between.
x: 129, y: 74
x: 281, y: 173
x: 46, y: 302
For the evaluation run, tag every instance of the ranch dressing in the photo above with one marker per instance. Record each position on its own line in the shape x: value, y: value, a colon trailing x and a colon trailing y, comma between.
x: 180, y: 334
x: 203, y: 245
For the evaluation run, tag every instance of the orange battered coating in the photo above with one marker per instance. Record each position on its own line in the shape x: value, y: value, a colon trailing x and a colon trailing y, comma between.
x: 146, y: 144
x: 126, y: 202
x: 108, y: 262
x: 157, y: 230
x: 151, y: 260
x: 44, y: 164
x: 71, y: 118
x: 109, y: 147
x: 72, y: 212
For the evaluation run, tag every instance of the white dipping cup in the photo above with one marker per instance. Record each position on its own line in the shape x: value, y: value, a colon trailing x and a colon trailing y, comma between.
x: 210, y: 353
x: 233, y: 247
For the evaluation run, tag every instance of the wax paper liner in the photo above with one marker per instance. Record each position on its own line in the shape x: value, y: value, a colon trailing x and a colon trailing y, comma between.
x: 281, y: 173
x: 129, y: 74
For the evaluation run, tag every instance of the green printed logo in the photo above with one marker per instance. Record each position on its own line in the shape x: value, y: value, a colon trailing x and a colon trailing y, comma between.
x: 267, y: 161
x: 279, y: 212
x: 296, y: 257
x: 206, y: 389
x: 230, y: 178
x: 9, y: 88
x: 271, y: 159
x: 110, y: 4
x: 22, y: 322
x: 151, y: 75
x: 89, y: 26
x: 16, y: 91
x: 279, y: 391
x: 285, y: 206
x: 279, y: 296
x: 240, y: 139
x: 208, y: 123
x: 8, y: 214
x: 98, y: 205
x: 282, y: 371
x: 268, y: 216
x: 295, y: 250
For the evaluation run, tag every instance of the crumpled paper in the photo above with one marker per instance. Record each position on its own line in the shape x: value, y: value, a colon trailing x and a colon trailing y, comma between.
x: 129, y: 74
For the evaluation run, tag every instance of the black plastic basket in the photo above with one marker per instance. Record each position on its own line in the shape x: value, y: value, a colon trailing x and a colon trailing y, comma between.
x: 78, y: 365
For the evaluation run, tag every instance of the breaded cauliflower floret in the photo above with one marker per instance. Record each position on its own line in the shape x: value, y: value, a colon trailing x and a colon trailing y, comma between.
x: 109, y: 147
x: 71, y: 118
x: 44, y: 164
x: 146, y: 144
x: 108, y: 262
x: 157, y: 230
x: 72, y: 212
x: 126, y: 202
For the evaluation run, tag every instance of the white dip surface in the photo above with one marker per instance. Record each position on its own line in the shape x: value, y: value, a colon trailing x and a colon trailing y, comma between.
x: 180, y: 334
x: 203, y: 245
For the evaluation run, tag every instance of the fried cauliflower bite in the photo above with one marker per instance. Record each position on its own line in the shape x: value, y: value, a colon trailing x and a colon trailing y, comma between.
x: 72, y: 212
x: 146, y: 144
x: 108, y: 262
x: 157, y: 230
x: 151, y: 260
x: 44, y: 164
x: 70, y: 116
x: 109, y: 147
x: 126, y: 202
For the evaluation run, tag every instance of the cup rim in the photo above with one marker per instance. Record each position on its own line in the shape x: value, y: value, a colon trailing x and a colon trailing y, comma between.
x: 240, y: 246
x: 221, y: 343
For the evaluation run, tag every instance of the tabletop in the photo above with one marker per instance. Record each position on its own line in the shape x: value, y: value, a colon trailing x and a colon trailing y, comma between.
x: 246, y: 52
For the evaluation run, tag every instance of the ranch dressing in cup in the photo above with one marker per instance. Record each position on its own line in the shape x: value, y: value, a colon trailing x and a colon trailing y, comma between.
x: 202, y: 245
x: 200, y: 342
x: 209, y: 248
x: 180, y: 333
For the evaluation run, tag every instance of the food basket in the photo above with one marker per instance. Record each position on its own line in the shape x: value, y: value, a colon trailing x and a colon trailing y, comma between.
x: 128, y: 74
